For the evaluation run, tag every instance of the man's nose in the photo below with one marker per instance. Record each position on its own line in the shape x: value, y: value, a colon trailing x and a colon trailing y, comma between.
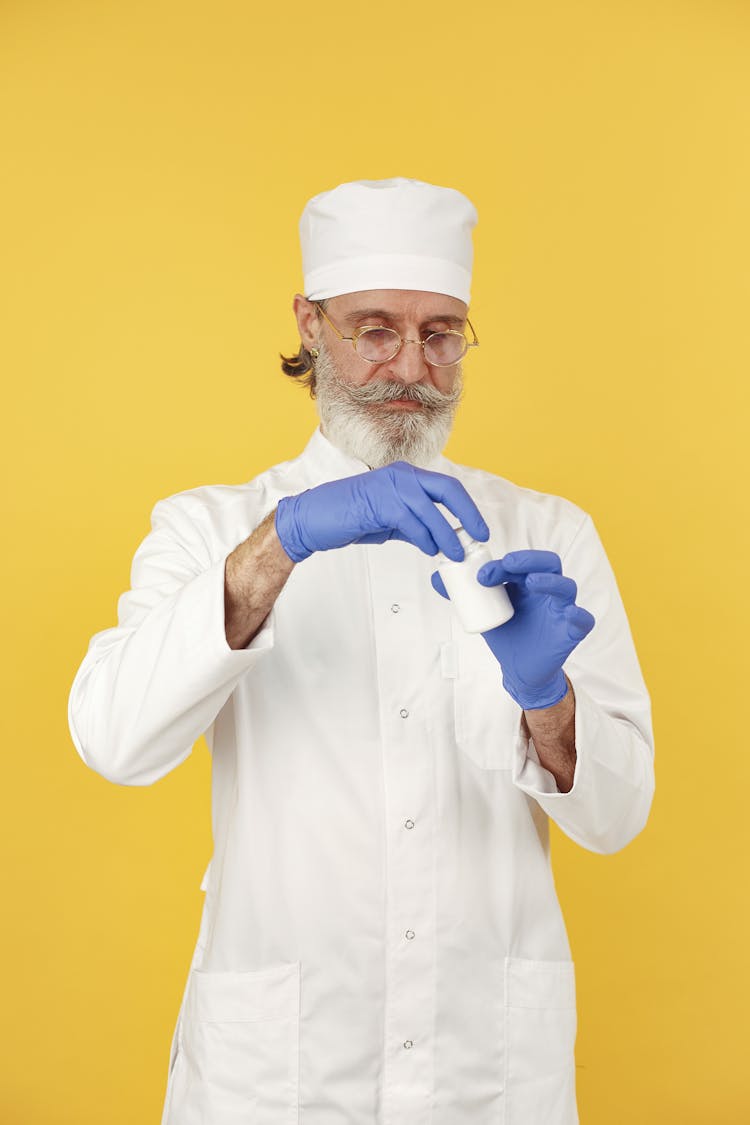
x: 409, y: 363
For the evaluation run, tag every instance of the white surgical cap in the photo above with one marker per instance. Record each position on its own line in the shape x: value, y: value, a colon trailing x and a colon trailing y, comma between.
x: 387, y: 234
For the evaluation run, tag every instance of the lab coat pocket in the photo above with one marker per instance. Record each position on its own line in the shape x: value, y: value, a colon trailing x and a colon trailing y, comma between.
x: 486, y: 718
x: 175, y: 1100
x: 240, y: 1048
x: 540, y: 1034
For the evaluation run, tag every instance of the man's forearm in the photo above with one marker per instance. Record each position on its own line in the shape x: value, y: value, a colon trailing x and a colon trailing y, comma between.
x: 254, y: 575
x: 553, y: 732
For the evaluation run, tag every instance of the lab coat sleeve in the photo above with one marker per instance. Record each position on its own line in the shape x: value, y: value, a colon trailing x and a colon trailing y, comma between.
x: 148, y: 688
x: 613, y: 784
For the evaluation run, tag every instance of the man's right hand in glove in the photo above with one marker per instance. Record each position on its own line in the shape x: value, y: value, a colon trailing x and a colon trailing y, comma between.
x: 393, y: 502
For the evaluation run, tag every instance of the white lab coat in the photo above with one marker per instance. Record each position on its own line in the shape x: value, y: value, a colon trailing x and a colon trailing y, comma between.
x: 381, y: 940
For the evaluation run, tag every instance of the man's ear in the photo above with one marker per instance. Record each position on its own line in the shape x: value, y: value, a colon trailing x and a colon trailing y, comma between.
x: 308, y: 322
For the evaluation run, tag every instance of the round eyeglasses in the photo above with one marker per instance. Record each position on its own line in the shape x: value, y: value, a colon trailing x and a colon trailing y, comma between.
x: 377, y: 345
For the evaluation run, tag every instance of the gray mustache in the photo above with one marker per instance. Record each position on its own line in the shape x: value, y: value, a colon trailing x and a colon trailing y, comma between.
x: 388, y: 392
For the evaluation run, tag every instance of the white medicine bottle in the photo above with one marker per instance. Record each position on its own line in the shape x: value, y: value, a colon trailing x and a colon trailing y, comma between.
x: 478, y: 607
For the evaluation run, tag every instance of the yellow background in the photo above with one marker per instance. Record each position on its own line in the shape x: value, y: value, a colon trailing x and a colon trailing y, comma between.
x: 155, y: 160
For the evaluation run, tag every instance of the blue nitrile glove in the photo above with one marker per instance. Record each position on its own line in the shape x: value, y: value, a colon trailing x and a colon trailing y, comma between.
x: 392, y: 502
x: 533, y: 645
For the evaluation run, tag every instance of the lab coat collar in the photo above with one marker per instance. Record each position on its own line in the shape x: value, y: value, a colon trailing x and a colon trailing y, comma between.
x: 334, y: 463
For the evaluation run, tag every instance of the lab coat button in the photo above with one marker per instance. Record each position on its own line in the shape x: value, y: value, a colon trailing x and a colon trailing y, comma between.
x: 395, y: 607
x: 409, y: 823
x: 404, y: 713
x: 408, y: 1044
x: 410, y: 934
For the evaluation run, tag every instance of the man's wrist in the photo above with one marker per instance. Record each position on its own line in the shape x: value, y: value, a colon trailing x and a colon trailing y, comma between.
x: 553, y: 732
x: 287, y: 530
x: 541, y: 698
x: 254, y: 574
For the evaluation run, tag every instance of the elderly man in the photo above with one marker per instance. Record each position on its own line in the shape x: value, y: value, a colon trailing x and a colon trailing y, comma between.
x: 381, y: 941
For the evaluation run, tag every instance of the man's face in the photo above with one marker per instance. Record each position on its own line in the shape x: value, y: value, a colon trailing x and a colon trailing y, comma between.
x: 401, y: 409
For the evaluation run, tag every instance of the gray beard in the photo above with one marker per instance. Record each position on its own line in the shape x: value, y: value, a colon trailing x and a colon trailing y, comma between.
x: 379, y: 436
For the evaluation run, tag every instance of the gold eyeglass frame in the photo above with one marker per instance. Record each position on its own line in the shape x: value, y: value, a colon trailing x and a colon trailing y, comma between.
x: 379, y: 327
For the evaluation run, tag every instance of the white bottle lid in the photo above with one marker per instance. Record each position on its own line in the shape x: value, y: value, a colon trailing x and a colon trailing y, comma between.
x: 466, y: 540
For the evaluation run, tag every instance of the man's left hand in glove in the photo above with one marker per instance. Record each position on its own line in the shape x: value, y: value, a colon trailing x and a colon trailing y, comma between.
x: 533, y: 645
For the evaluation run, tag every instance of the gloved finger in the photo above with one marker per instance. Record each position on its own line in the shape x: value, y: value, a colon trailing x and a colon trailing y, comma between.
x: 438, y: 584
x: 518, y: 562
x: 563, y: 589
x: 493, y: 573
x: 413, y: 495
x: 375, y: 536
x: 408, y: 527
x: 449, y: 491
x: 580, y: 622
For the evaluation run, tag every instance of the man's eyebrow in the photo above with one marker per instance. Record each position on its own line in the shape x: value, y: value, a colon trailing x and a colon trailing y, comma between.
x: 383, y: 314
